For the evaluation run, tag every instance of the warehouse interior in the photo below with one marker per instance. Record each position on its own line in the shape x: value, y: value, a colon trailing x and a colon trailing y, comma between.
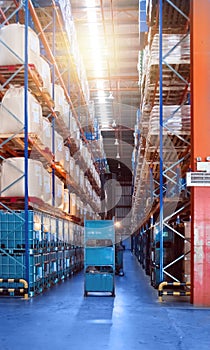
x: 104, y: 126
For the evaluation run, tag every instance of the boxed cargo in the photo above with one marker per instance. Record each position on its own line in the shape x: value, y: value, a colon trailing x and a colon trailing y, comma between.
x: 13, y: 35
x: 77, y: 173
x: 66, y: 159
x: 59, y: 149
x: 44, y: 71
x: 73, y: 206
x: 59, y: 193
x: 66, y: 206
x: 72, y: 167
x: 12, y: 112
x: 13, y: 180
x: 47, y: 187
x: 46, y: 136
x: 58, y: 98
x: 66, y: 115
x: 82, y: 179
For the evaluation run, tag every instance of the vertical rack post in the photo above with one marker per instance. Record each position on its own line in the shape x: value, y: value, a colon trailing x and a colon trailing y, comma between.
x: 26, y: 143
x: 161, y: 136
x: 53, y: 118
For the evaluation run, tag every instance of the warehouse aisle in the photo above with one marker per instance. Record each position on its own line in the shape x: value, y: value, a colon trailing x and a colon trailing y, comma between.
x: 63, y: 319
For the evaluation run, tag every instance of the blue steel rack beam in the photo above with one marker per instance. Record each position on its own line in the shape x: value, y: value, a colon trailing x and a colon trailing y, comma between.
x: 26, y: 142
x: 161, y: 135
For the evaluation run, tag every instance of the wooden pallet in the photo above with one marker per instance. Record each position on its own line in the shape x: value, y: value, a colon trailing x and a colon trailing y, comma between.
x: 15, y: 75
x: 15, y: 146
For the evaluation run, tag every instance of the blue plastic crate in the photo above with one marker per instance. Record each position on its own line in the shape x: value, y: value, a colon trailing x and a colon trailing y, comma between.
x: 12, y: 230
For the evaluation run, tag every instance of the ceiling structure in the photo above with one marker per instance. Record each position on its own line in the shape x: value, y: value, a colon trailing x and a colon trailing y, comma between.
x: 108, y: 38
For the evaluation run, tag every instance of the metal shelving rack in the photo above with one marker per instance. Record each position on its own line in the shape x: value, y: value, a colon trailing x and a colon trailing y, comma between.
x: 47, y: 19
x: 164, y: 146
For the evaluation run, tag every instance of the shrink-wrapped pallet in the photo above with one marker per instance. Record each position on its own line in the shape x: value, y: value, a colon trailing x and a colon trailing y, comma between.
x: 66, y: 201
x: 78, y: 206
x: 59, y: 98
x: 12, y: 112
x: 77, y: 173
x: 47, y: 187
x: 13, y: 36
x: 59, y: 193
x: 13, y: 181
x: 176, y: 118
x: 66, y: 115
x: 177, y: 44
x: 44, y: 71
x: 66, y: 159
x: 46, y: 135
x: 72, y: 167
x: 74, y: 129
x: 73, y: 206
x: 81, y: 209
x: 59, y: 151
x: 82, y: 179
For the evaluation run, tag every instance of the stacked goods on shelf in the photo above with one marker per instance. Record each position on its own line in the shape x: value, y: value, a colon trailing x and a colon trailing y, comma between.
x: 180, y: 52
x: 12, y: 113
x: 12, y: 122
x: 59, y: 149
x: 44, y: 71
x: 73, y: 204
x: 66, y: 200
x: 59, y: 193
x: 72, y: 36
x: 55, y: 249
x: 175, y: 118
x: 179, y: 47
x: 46, y: 134
x: 66, y: 164
x: 12, y: 45
x: 12, y: 178
x: 59, y: 99
x: 47, y: 188
x: 39, y: 181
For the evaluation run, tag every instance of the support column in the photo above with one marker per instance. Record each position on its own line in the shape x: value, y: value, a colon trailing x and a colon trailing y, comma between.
x: 200, y: 72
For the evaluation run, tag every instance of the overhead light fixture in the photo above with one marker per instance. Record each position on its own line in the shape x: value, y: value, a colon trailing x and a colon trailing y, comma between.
x: 114, y: 124
x: 118, y: 155
x: 118, y: 166
x: 110, y: 97
x: 116, y: 142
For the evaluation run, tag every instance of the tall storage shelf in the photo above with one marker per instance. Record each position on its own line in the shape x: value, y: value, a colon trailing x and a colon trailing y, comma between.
x: 46, y: 162
x: 99, y: 256
x: 161, y: 200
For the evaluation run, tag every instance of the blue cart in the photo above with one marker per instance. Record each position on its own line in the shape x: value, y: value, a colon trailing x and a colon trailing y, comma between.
x: 99, y: 256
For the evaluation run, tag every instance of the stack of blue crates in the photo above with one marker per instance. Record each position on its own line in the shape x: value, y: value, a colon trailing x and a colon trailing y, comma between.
x: 53, y: 254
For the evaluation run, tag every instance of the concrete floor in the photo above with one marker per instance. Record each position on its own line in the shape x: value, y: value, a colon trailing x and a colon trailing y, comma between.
x: 62, y: 318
